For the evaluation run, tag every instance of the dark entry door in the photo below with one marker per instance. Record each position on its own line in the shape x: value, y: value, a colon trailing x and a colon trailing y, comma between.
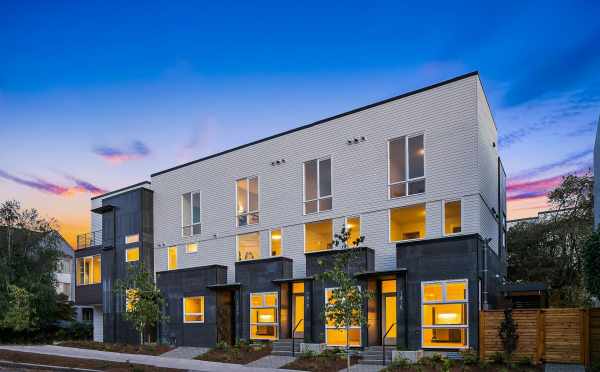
x: 225, y: 317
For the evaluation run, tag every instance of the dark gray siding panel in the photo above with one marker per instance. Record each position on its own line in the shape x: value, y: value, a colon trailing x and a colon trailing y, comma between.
x: 88, y: 294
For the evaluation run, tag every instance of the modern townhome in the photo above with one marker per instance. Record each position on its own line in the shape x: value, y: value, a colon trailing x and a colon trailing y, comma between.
x: 236, y: 239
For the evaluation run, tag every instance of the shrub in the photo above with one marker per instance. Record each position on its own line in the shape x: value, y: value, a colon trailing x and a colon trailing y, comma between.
x: 222, y: 345
x: 400, y: 363
x: 75, y: 331
x: 508, y: 333
x: 525, y: 362
x: 446, y: 365
x: 469, y: 357
x: 498, y: 357
x: 595, y: 366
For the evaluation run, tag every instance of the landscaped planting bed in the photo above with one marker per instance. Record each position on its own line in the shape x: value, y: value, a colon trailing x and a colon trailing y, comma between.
x: 328, y: 361
x: 56, y: 361
x: 242, y: 353
x: 470, y: 363
x: 148, y: 349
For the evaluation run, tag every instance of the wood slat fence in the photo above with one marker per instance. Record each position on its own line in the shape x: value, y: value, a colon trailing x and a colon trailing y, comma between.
x: 545, y: 335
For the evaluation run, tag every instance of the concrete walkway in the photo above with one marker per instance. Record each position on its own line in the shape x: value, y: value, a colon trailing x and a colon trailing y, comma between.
x: 185, y: 352
x: 157, y: 361
x: 271, y: 361
x: 363, y: 368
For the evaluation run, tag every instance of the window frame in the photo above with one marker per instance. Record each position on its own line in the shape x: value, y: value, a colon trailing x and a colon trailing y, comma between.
x: 192, y: 224
x: 173, y: 247
x: 390, y: 224
x: 359, y: 327
x: 187, y: 251
x: 184, y: 313
x: 136, y: 239
x: 407, y: 180
x: 444, y: 301
x: 80, y: 272
x: 319, y: 197
x: 359, y: 226
x: 129, y: 249
x: 304, y: 235
x: 271, y: 242
x: 444, y: 202
x: 248, y: 212
x: 276, y: 324
x: 237, y: 246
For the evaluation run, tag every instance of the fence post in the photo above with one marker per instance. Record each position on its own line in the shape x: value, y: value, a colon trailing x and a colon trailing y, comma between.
x: 539, y: 336
x: 482, y: 335
x: 585, y: 337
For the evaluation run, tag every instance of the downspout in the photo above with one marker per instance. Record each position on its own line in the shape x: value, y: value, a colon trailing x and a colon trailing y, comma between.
x: 485, y: 273
x: 112, y: 272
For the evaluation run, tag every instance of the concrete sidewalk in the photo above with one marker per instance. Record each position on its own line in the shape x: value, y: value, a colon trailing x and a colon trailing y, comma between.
x: 157, y: 361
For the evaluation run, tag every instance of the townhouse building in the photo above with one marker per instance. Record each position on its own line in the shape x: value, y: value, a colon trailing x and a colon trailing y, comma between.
x: 237, y: 239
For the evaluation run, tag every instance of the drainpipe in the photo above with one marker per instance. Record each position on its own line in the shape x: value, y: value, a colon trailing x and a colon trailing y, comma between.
x: 485, y: 273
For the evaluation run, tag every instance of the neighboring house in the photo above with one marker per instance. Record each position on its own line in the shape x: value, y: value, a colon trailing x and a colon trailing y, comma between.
x: 597, y: 176
x: 65, y: 273
x: 235, y: 239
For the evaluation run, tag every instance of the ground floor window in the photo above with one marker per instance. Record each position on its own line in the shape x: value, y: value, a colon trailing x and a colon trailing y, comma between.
x: 264, y: 323
x: 193, y: 309
x: 335, y: 336
x: 87, y: 314
x: 444, y: 321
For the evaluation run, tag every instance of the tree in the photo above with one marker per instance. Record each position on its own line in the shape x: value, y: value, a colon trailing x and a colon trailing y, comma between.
x: 591, y: 264
x: 143, y: 300
x: 345, y: 305
x: 550, y: 250
x: 20, y: 314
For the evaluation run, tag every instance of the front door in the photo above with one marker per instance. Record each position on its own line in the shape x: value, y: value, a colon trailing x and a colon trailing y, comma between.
x: 388, y: 318
x: 225, y: 317
x: 298, y: 323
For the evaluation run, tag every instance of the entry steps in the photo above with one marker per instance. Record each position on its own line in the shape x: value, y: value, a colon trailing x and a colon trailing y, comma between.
x: 374, y: 355
x: 284, y: 347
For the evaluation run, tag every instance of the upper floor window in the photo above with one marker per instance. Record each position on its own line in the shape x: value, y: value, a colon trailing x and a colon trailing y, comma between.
x: 452, y: 217
x: 247, y: 201
x: 248, y: 246
x: 276, y: 242
x: 406, y: 166
x: 64, y: 265
x: 132, y: 254
x: 407, y: 223
x: 190, y: 214
x: 191, y: 248
x: 318, y: 236
x: 133, y: 238
x: 317, y: 186
x: 89, y: 270
x: 353, y: 228
x: 172, y: 258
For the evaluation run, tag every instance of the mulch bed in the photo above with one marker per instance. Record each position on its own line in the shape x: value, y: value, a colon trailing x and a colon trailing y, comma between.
x: 57, y: 361
x: 239, y: 354
x: 324, y: 362
x: 428, y: 365
x: 149, y: 349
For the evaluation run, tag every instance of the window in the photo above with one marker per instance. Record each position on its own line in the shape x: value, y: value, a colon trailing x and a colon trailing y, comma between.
x: 191, y: 248
x: 248, y: 246
x: 132, y: 296
x: 406, y: 166
x: 87, y: 314
x: 89, y: 270
x: 247, y: 201
x: 318, y: 236
x: 337, y: 336
x: 193, y: 309
x: 190, y: 214
x: 317, y: 186
x: 263, y: 316
x: 132, y: 254
x: 353, y: 228
x: 64, y: 265
x: 444, y: 314
x: 407, y: 223
x: 172, y: 258
x: 134, y: 238
x: 452, y: 217
x: 276, y: 242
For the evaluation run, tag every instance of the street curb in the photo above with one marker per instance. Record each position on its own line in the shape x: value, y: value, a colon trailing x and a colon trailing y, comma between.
x: 6, y: 363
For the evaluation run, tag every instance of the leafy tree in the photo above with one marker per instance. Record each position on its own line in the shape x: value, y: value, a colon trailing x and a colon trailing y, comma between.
x: 20, y: 314
x: 144, y: 301
x: 591, y: 264
x: 345, y: 306
x: 550, y: 250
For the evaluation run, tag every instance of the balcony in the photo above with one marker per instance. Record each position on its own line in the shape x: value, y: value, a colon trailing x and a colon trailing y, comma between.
x: 90, y: 239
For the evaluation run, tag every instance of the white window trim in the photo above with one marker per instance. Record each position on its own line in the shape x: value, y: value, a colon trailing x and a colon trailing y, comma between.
x: 276, y: 306
x: 90, y: 275
x: 137, y: 239
x: 333, y: 327
x: 390, y: 224
x: 304, y: 200
x: 190, y: 252
x: 444, y: 217
x: 184, y: 313
x: 406, y: 170
x: 169, y: 257
x: 271, y: 242
x: 249, y: 212
x: 443, y: 301
x: 127, y: 250
x: 304, y: 233
x: 192, y: 224
x: 237, y: 246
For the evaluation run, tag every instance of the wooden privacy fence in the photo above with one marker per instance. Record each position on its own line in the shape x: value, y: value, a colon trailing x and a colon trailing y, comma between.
x: 548, y: 335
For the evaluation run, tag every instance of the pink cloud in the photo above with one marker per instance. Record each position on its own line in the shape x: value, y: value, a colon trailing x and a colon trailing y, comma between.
x: 53, y: 188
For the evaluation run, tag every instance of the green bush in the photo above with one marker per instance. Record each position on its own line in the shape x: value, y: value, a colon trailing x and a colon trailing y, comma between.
x: 75, y: 331
x: 525, y: 362
x: 498, y: 357
x: 469, y: 357
x: 399, y: 363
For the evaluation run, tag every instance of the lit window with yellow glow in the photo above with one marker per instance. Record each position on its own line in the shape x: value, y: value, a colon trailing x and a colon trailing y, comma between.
x: 353, y: 228
x: 132, y: 296
x: 407, y: 223
x: 193, y: 309
x: 452, y: 217
x: 264, y: 323
x: 191, y: 248
x: 172, y: 258
x: 133, y: 238
x: 318, y: 236
x: 445, y: 320
x: 88, y: 270
x: 132, y: 254
x: 248, y: 246
x: 276, y: 242
x: 335, y: 336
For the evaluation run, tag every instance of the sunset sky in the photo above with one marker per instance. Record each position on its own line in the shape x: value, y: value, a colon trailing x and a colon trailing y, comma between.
x: 95, y: 96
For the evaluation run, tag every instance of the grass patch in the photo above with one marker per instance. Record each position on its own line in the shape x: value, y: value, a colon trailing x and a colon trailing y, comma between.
x: 147, y: 349
x: 57, y: 361
x: 328, y: 361
x: 242, y: 353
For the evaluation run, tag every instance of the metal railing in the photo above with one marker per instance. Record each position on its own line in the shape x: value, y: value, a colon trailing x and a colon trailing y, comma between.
x: 383, y: 341
x: 90, y: 239
x: 294, y: 336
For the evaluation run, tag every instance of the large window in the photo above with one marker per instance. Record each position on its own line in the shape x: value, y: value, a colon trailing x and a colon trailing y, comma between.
x: 172, y: 258
x: 317, y: 186
x: 89, y: 270
x: 407, y: 223
x: 452, y: 217
x: 132, y: 254
x: 247, y: 201
x: 248, y: 246
x: 263, y: 316
x: 133, y: 238
x: 318, y: 236
x: 193, y: 309
x: 353, y: 228
x: 190, y: 214
x: 444, y: 314
x: 276, y: 242
x: 335, y: 336
x: 406, y: 166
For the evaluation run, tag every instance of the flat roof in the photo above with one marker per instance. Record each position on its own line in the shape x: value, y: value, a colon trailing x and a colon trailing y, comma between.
x: 121, y: 189
x: 473, y: 73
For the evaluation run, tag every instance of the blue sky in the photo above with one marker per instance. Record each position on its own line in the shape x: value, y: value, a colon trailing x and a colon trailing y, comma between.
x: 97, y: 95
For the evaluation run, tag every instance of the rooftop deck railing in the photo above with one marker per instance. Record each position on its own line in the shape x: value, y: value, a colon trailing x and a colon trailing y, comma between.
x: 89, y: 239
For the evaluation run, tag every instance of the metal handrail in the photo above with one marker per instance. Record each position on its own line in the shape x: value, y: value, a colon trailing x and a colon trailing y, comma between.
x: 294, y: 338
x: 383, y: 341
x: 89, y: 239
